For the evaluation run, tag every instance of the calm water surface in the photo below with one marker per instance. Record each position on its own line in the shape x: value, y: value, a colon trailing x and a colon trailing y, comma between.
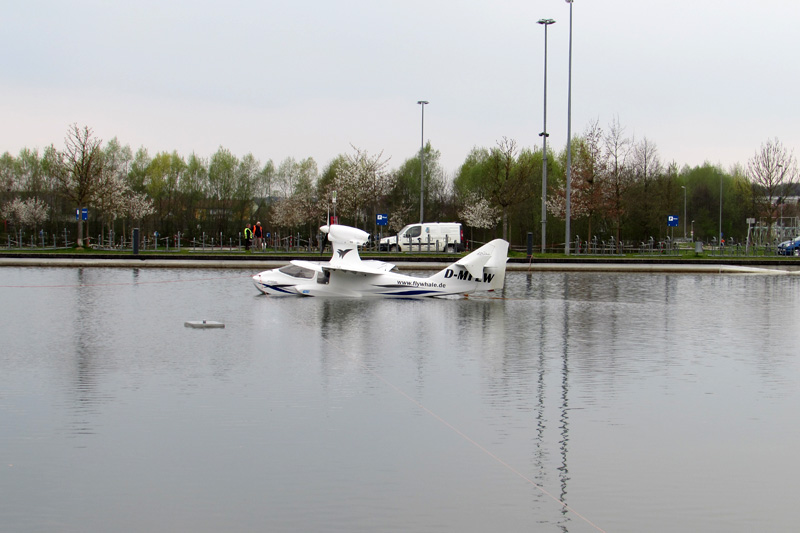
x: 571, y: 403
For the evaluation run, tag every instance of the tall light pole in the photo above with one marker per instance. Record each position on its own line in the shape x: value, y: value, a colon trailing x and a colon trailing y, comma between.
x: 422, y: 165
x: 781, y: 199
x: 544, y: 135
x: 684, y: 211
x: 569, y: 136
x: 720, y: 213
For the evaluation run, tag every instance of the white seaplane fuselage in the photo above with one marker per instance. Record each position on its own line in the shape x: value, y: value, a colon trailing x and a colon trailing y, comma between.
x: 347, y: 275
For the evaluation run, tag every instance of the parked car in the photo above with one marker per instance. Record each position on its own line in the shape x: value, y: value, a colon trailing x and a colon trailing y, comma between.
x: 429, y: 236
x: 791, y: 247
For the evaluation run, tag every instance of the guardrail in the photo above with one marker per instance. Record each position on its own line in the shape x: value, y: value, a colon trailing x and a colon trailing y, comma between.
x: 219, y: 242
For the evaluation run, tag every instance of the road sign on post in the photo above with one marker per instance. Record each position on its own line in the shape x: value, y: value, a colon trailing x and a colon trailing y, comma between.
x: 382, y: 219
x: 672, y: 221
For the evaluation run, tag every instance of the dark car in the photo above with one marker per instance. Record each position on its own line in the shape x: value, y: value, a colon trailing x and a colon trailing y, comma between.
x: 791, y: 247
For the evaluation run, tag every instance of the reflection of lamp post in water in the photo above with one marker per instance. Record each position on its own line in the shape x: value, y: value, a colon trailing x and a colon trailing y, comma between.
x: 543, y: 135
x: 564, y: 418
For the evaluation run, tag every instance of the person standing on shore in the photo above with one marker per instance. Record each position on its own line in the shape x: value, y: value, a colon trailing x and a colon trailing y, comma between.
x: 248, y: 235
x: 259, y: 233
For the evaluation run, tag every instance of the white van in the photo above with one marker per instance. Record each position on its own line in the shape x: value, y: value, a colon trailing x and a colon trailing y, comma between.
x: 427, y: 237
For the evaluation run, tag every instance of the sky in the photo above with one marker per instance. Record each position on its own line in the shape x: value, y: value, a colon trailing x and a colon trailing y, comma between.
x: 705, y: 81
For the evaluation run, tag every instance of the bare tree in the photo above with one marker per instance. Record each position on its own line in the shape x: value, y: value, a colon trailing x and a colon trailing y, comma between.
x: 772, y: 171
x: 618, y: 172
x: 647, y: 171
x: 646, y: 160
x: 80, y: 170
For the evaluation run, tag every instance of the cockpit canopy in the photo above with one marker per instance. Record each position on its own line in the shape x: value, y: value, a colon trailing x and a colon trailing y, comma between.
x: 297, y: 272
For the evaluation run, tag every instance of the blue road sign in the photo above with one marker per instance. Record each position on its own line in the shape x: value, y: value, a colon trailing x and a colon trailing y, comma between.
x: 382, y: 219
x: 672, y: 221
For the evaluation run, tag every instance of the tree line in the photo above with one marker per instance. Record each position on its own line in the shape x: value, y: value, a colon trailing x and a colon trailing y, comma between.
x: 620, y: 188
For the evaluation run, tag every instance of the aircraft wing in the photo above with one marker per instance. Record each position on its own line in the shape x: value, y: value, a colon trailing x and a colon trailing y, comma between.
x: 311, y: 265
x: 363, y: 267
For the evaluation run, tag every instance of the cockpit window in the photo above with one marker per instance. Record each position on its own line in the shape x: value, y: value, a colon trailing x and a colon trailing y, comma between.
x: 297, y: 272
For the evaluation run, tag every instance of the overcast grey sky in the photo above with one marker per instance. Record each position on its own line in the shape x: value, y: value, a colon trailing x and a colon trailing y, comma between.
x: 703, y: 80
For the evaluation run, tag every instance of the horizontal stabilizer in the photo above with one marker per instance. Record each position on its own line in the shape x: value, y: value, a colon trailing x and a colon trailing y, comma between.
x: 475, y: 261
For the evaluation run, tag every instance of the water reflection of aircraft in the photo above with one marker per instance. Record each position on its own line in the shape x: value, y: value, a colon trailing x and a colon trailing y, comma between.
x: 347, y: 275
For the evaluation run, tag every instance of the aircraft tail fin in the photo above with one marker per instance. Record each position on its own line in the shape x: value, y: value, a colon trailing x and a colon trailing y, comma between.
x: 496, y: 265
x: 487, y: 265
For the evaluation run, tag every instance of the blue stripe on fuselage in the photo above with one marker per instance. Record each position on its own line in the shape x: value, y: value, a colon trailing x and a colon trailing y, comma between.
x: 411, y: 293
x: 278, y: 288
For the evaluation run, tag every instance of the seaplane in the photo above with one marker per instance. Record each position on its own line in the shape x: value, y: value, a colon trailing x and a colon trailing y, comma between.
x: 346, y: 275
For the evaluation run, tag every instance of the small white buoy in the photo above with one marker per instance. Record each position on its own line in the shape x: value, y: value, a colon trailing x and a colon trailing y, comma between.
x: 204, y: 324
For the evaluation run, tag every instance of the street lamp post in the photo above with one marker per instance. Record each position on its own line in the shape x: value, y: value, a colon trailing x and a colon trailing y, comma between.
x: 781, y: 199
x: 684, y: 211
x: 422, y: 165
x: 544, y: 135
x: 569, y: 136
x: 719, y: 243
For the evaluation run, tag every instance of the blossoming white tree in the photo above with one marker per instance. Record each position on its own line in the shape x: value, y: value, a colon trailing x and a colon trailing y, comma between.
x: 478, y: 213
x: 361, y: 183
x: 27, y: 213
